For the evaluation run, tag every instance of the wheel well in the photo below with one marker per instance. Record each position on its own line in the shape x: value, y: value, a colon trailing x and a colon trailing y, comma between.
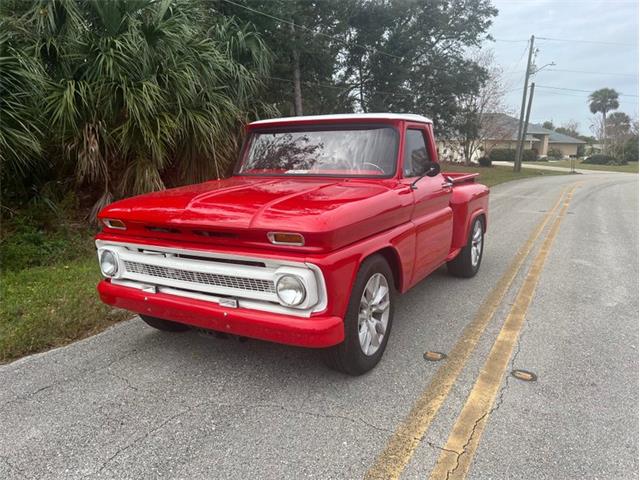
x: 483, y: 219
x: 391, y: 256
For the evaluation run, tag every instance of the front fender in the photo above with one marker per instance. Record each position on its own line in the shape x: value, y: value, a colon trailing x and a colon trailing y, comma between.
x: 340, y: 268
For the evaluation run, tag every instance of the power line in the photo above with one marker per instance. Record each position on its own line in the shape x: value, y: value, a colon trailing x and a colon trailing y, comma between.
x: 513, y: 69
x: 512, y: 90
x: 564, y: 94
x: 578, y: 90
x: 302, y: 27
x: 505, y: 40
x: 568, y: 40
x: 592, y: 73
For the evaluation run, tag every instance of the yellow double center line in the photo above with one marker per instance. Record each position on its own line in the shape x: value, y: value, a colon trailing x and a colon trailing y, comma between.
x: 394, y: 458
x: 466, y: 432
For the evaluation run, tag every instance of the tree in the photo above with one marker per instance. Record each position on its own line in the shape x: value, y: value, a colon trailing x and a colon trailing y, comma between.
x: 371, y: 55
x: 569, y: 128
x: 22, y: 81
x: 477, y: 120
x: 618, y: 131
x: 619, y: 124
x: 306, y: 39
x: 411, y: 56
x: 141, y: 93
x: 548, y: 125
x: 603, y: 101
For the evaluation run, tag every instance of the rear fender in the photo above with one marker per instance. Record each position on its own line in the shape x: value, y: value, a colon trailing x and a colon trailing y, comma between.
x: 468, y: 201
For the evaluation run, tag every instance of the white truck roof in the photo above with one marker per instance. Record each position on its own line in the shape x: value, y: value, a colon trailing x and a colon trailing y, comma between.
x: 347, y: 116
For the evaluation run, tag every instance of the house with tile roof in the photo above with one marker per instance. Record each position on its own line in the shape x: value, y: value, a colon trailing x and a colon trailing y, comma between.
x: 500, y: 130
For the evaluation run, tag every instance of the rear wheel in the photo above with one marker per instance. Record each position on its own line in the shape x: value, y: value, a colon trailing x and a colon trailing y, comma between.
x: 467, y: 263
x: 164, y: 325
x: 368, y: 321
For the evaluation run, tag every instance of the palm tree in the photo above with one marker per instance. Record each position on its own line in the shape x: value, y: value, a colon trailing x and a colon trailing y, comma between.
x: 21, y: 85
x: 603, y: 101
x: 143, y: 91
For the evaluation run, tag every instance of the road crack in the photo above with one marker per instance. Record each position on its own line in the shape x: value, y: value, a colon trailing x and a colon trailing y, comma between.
x: 78, y: 375
x: 164, y: 423
x: 142, y: 438
x: 497, y: 404
x: 125, y: 380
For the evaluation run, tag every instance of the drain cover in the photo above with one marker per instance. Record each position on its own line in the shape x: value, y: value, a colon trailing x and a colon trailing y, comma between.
x: 434, y: 356
x: 524, y: 375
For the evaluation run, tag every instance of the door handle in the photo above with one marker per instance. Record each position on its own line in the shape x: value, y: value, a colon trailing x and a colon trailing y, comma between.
x: 447, y: 184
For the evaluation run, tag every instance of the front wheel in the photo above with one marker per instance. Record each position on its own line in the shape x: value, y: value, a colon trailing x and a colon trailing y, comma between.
x: 467, y: 263
x: 368, y: 321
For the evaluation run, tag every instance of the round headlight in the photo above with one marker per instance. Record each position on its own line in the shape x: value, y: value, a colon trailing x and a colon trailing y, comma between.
x: 290, y: 290
x: 108, y: 263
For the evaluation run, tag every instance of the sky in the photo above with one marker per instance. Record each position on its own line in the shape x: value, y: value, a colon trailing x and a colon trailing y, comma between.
x: 613, y: 63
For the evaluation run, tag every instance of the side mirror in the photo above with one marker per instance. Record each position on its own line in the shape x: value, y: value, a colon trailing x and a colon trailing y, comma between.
x: 433, y: 169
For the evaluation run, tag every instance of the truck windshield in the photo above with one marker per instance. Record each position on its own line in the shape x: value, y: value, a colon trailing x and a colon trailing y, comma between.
x: 344, y: 151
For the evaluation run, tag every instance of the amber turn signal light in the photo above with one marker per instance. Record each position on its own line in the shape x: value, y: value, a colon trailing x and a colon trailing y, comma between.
x: 285, y: 238
x: 113, y: 223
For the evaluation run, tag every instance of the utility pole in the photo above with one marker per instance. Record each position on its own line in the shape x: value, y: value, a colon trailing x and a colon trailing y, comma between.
x: 518, y: 160
x: 526, y: 120
x: 297, y: 89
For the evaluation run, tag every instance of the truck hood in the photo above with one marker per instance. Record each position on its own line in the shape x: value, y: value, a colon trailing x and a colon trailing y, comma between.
x: 329, y: 212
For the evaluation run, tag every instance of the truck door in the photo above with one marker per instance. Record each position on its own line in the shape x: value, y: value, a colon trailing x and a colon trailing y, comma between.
x: 432, y: 214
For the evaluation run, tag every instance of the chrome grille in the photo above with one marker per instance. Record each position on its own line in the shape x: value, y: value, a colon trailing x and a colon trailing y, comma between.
x: 214, y: 279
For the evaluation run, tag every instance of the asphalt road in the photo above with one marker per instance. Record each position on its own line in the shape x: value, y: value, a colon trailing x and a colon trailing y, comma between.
x: 136, y: 403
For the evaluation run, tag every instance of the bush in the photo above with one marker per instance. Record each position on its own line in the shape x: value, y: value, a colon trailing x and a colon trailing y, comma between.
x: 631, y: 150
x: 37, y: 236
x: 600, y: 159
x: 555, y: 153
x: 502, y: 155
x: 30, y: 247
x: 509, y: 155
x: 484, y: 161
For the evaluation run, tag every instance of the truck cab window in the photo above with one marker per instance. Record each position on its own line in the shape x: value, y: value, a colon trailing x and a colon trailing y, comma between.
x: 416, y: 156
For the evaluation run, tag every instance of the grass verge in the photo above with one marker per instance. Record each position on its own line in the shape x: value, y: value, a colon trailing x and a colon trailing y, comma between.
x: 48, y: 306
x: 631, y: 167
x: 498, y: 174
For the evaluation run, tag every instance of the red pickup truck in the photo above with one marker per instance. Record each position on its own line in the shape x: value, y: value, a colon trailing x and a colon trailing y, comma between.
x: 325, y: 219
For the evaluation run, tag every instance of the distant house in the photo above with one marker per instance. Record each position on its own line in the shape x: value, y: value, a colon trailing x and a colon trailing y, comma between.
x: 501, y: 131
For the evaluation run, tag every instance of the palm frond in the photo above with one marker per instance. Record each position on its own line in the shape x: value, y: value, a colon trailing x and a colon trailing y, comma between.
x: 129, y: 90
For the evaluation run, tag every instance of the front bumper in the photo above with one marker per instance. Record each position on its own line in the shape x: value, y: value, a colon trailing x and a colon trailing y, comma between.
x: 313, y: 332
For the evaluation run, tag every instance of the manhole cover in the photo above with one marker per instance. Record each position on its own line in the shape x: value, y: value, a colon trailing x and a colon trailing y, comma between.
x: 524, y: 375
x: 434, y: 356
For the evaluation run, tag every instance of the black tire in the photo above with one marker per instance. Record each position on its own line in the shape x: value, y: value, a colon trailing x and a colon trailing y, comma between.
x: 164, y: 325
x: 463, y: 265
x: 349, y: 357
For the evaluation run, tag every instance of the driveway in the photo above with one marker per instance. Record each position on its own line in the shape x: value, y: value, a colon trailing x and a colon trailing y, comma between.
x: 136, y: 403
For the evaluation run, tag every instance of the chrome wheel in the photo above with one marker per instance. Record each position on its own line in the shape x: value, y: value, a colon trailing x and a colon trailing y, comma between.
x: 373, y: 316
x: 476, y: 243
